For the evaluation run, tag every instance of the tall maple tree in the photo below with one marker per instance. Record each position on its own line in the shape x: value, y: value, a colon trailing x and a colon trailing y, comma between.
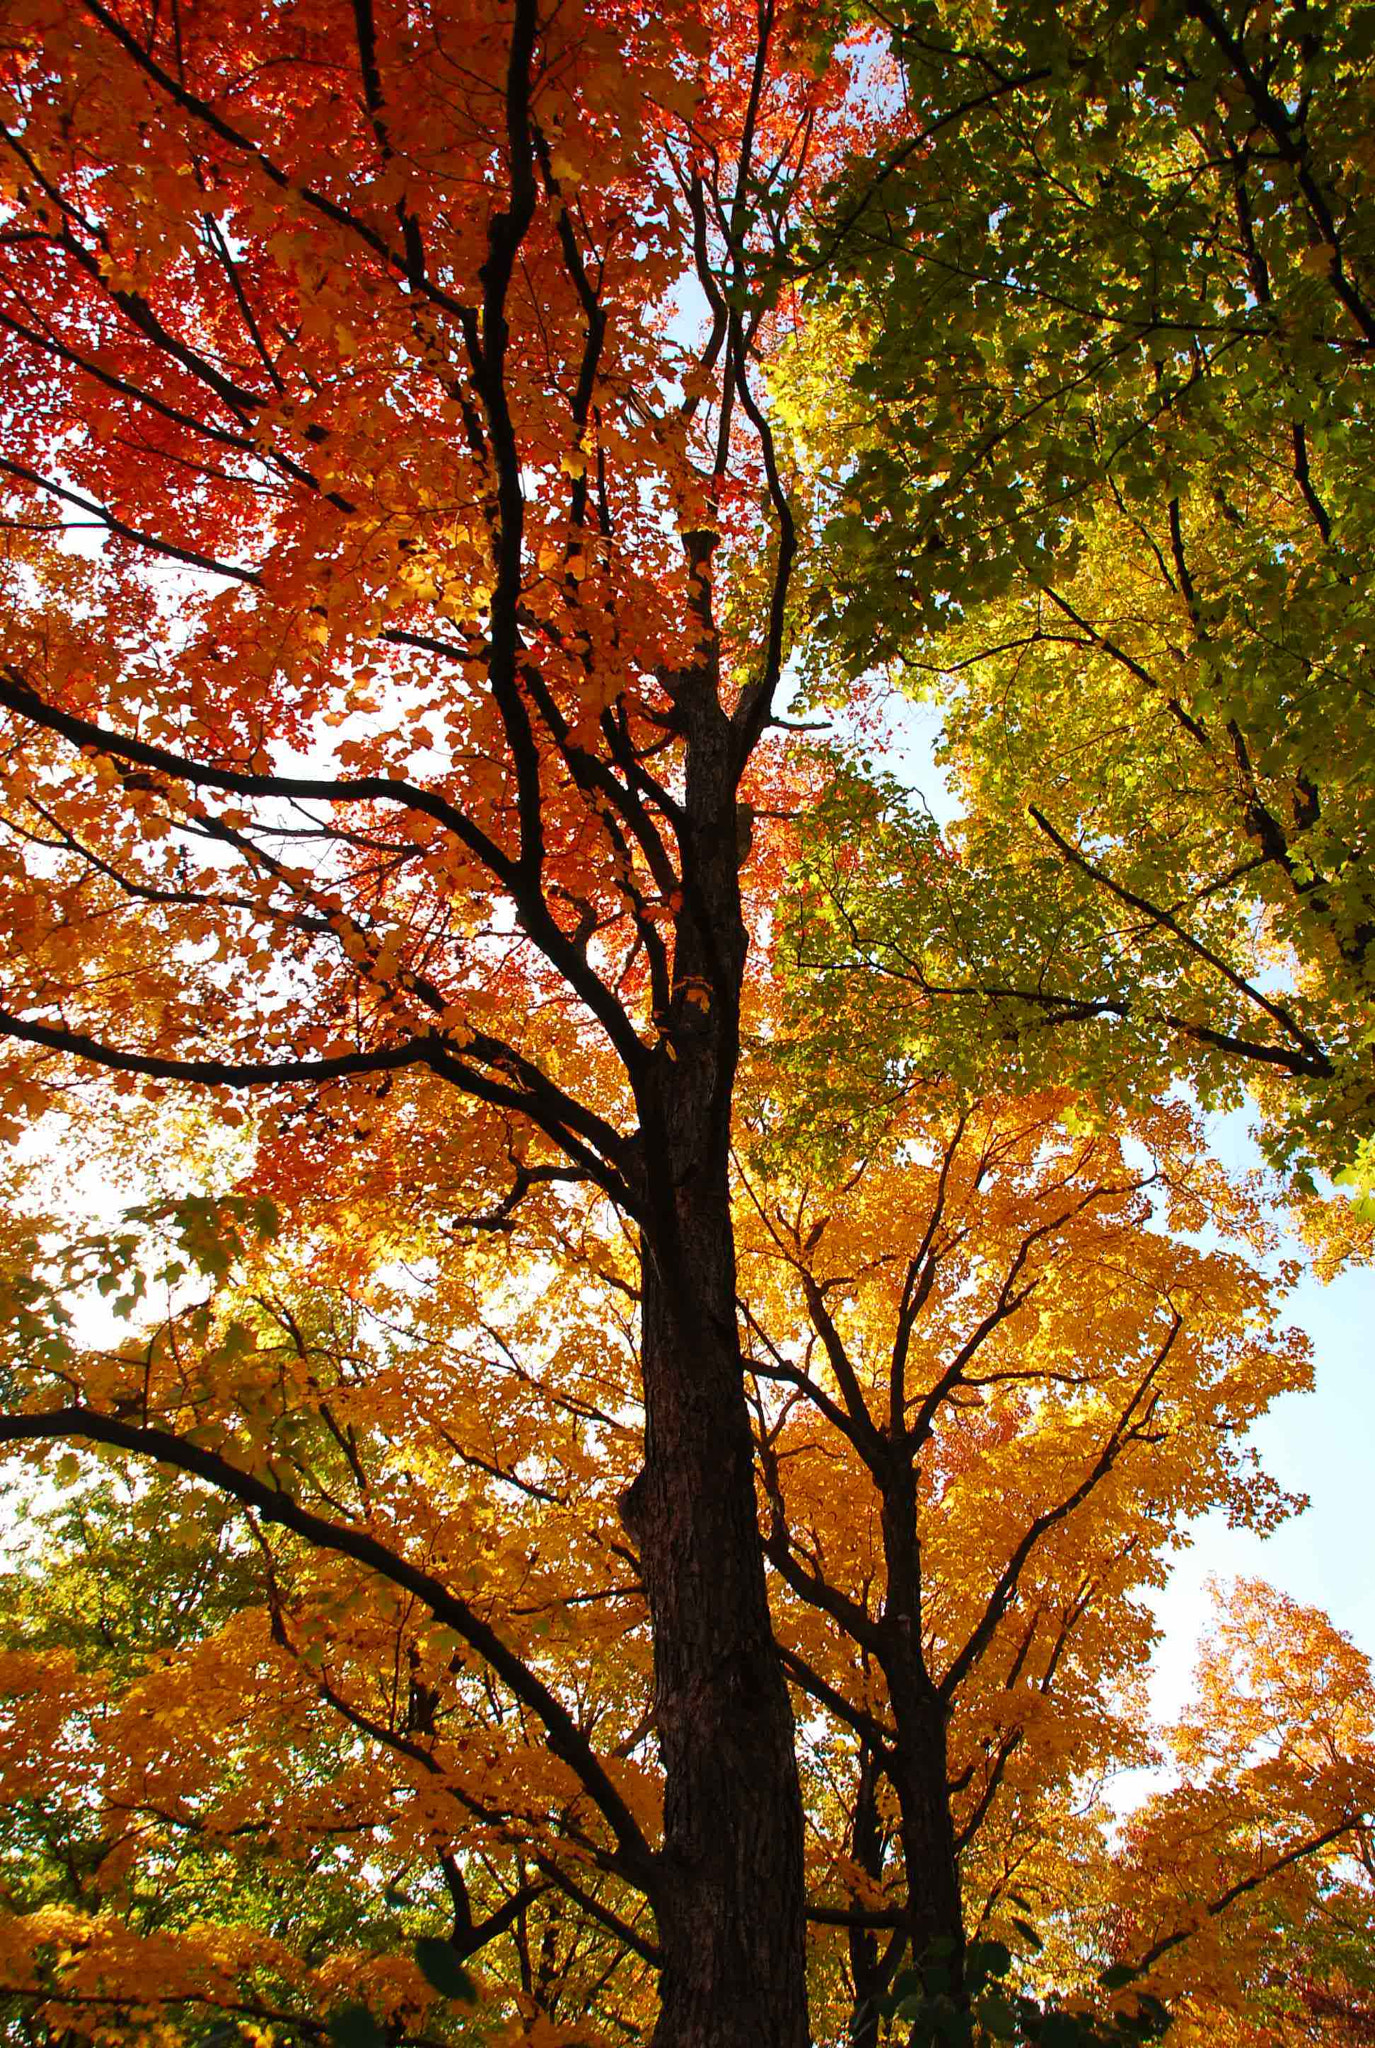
x: 992, y: 1383
x: 385, y: 758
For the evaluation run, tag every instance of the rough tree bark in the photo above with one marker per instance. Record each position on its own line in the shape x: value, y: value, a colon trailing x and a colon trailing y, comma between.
x: 917, y: 1766
x: 731, y: 1902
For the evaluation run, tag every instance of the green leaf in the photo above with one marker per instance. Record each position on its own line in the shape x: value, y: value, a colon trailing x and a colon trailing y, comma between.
x: 442, y: 1970
x: 1119, y: 1974
x: 354, y: 2026
x: 1029, y: 1934
x: 997, y: 2018
x: 953, y: 2024
x: 1064, y: 2030
x: 987, y: 1959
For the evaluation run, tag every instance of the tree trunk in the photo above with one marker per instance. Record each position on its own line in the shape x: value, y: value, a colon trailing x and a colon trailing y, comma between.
x: 924, y: 1823
x: 870, y: 1973
x: 918, y: 1766
x: 731, y: 1906
x: 731, y: 1901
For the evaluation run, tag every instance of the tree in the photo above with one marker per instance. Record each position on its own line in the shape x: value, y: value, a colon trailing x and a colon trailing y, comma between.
x: 302, y: 1776
x: 383, y: 759
x: 253, y: 1698
x: 1107, y: 502
x: 992, y: 1384
x: 402, y: 756
x: 1279, y: 1737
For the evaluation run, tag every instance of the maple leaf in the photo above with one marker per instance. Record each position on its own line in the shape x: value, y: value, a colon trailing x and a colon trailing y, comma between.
x: 401, y: 599
x: 1101, y: 503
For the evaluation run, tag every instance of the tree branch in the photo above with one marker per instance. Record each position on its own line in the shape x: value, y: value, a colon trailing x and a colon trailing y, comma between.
x: 566, y: 1740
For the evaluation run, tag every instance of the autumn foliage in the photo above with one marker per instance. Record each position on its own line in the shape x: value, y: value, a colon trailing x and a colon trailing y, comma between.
x: 594, y: 1466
